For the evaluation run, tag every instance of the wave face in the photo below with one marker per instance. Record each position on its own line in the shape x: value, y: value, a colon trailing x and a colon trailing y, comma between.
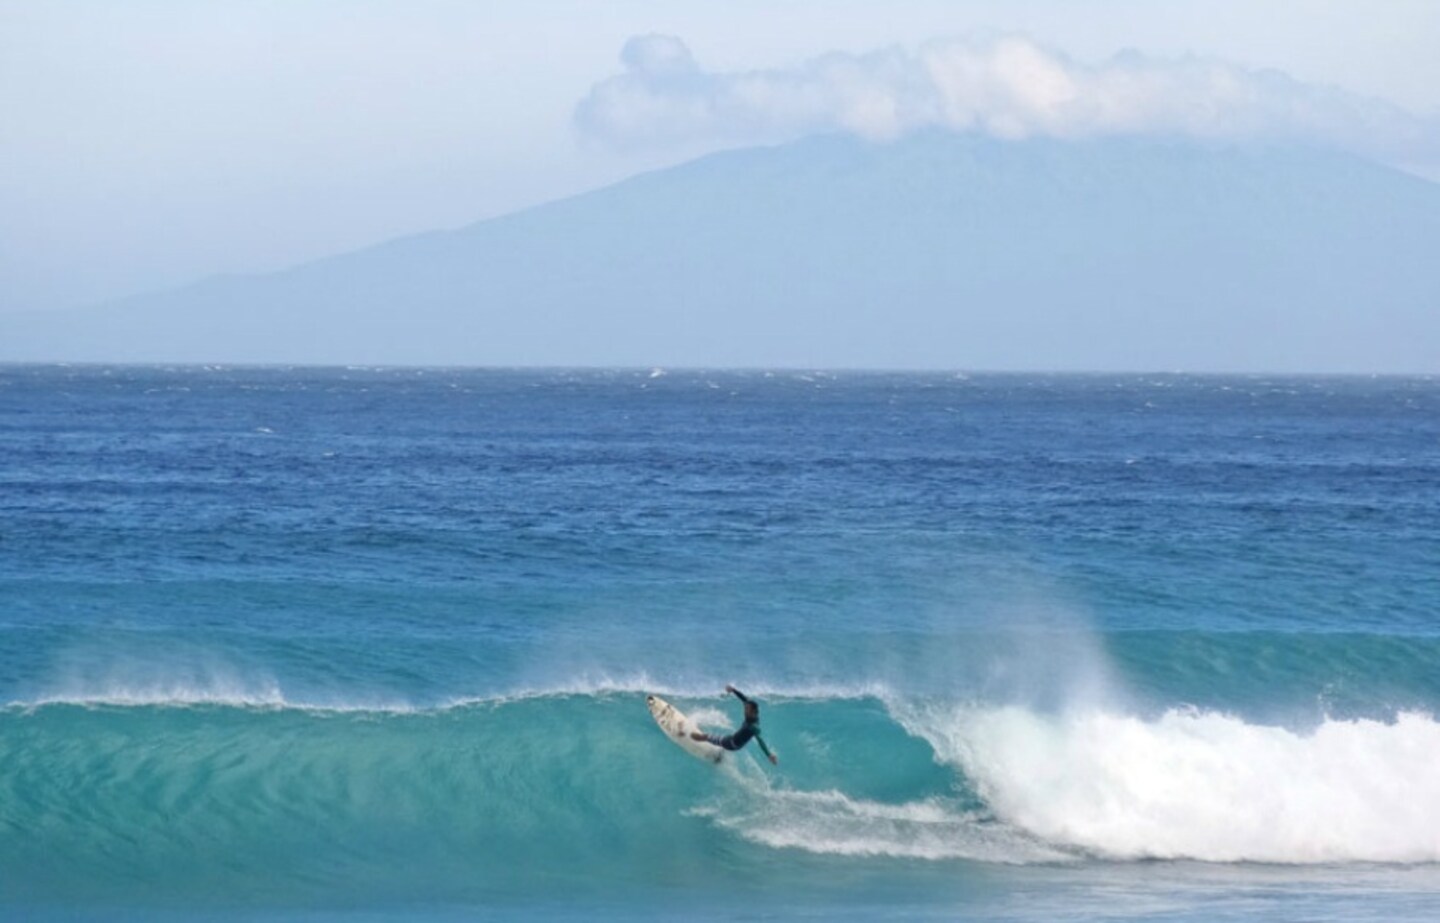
x: 275, y: 641
x: 551, y: 782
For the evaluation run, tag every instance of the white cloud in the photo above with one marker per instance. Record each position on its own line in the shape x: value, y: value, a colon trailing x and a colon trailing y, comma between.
x: 1008, y: 87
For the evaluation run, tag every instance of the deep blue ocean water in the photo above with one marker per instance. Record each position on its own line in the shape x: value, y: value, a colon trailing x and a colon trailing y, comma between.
x: 366, y: 644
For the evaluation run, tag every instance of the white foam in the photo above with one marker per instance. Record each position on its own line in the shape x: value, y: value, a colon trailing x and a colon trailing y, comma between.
x: 830, y: 822
x: 1201, y: 785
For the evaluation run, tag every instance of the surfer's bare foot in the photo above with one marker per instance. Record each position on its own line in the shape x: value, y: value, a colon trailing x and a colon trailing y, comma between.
x: 697, y: 736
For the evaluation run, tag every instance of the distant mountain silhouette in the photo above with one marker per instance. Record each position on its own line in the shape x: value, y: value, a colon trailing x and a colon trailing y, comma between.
x: 936, y: 251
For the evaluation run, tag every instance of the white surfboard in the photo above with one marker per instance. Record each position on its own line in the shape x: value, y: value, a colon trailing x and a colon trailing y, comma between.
x: 678, y: 727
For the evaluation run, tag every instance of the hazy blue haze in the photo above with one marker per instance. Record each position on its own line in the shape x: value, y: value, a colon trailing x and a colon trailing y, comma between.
x: 149, y: 144
x: 287, y: 644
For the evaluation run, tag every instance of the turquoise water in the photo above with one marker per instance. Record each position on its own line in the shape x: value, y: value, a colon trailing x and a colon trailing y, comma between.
x: 293, y: 644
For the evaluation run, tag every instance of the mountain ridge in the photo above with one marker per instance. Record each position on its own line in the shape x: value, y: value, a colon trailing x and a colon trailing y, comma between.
x: 935, y: 251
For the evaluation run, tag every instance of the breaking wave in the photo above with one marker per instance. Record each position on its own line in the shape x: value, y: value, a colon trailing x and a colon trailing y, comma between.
x: 214, y: 782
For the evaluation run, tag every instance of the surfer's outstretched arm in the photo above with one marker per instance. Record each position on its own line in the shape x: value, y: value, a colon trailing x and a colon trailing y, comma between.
x: 737, y: 693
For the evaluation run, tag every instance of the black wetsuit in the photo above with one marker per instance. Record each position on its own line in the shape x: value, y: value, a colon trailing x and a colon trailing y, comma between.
x: 742, y: 735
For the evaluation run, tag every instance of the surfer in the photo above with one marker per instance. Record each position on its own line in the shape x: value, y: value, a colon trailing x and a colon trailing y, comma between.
x: 741, y: 737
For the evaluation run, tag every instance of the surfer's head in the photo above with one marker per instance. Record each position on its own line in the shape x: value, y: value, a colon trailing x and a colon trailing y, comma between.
x: 752, y: 711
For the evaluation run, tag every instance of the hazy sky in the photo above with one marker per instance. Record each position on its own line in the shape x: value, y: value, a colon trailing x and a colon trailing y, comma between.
x: 148, y: 144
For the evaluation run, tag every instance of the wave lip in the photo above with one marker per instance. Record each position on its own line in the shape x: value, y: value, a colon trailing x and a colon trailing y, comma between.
x: 643, y: 683
x: 1202, y: 785
x: 264, y: 692
x: 163, y: 695
x: 190, y: 692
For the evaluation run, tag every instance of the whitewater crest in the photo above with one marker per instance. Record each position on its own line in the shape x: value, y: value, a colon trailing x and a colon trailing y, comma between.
x: 1194, y: 784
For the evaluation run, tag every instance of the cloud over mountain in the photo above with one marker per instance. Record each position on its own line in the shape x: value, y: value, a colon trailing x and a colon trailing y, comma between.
x: 1007, y: 87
